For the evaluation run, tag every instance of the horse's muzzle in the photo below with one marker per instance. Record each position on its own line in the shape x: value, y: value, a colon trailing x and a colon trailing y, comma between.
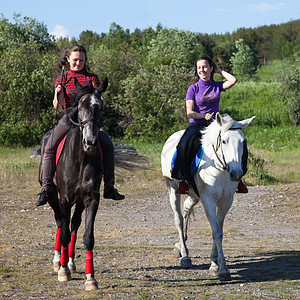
x: 236, y: 175
x: 89, y: 144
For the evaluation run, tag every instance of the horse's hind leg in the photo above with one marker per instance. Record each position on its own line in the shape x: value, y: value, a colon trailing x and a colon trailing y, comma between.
x: 75, y: 224
x: 57, y: 247
x: 188, y: 206
x: 64, y: 273
x: 89, y: 240
x: 180, y: 249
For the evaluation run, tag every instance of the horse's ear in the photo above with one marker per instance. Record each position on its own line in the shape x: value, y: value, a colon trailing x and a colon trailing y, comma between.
x: 102, y: 88
x: 77, y: 84
x: 219, y: 118
x: 244, y: 123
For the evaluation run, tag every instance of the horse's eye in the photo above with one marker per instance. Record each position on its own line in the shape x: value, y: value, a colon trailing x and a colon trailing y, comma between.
x: 224, y: 142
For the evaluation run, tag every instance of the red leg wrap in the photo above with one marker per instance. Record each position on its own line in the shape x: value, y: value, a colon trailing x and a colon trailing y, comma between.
x: 72, y: 245
x: 57, y: 240
x: 64, y: 258
x: 89, y: 266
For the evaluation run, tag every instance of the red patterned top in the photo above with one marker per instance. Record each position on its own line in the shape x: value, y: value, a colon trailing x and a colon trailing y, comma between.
x: 83, y: 77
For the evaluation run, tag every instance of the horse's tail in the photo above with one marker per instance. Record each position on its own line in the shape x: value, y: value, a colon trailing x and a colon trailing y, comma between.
x: 127, y: 158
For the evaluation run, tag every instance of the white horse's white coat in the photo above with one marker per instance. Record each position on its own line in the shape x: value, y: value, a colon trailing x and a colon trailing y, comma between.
x: 216, y: 185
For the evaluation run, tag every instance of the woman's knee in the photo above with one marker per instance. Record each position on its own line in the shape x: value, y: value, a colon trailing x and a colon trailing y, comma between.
x: 105, y: 142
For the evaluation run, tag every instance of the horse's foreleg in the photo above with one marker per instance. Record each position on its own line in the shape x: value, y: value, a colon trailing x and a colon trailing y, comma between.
x: 217, y: 234
x: 75, y: 223
x: 71, y: 250
x: 180, y: 249
x: 89, y: 240
x: 216, y: 266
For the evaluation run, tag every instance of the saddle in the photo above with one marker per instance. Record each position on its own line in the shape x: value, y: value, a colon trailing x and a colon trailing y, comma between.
x: 194, y: 156
x: 61, y: 147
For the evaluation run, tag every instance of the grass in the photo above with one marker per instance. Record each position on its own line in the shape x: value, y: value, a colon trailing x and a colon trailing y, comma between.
x: 15, y: 164
x: 274, y: 158
x: 272, y: 141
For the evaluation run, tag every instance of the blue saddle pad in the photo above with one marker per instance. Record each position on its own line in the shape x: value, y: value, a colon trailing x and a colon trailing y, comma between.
x: 195, y: 162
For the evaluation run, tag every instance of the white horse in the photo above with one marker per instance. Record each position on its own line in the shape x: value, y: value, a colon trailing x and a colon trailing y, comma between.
x: 216, y: 178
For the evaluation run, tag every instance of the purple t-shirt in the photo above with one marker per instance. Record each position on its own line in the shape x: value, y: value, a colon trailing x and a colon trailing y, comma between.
x: 206, y: 95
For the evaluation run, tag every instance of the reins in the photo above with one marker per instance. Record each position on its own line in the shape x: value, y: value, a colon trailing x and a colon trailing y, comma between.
x: 80, y: 123
x: 219, y: 145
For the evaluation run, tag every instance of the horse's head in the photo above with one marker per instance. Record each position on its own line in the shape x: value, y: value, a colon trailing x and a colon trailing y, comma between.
x: 229, y: 144
x: 88, y: 111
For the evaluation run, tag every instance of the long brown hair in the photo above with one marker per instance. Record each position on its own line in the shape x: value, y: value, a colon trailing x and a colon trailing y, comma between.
x: 63, y: 62
x: 64, y: 59
x: 196, y: 77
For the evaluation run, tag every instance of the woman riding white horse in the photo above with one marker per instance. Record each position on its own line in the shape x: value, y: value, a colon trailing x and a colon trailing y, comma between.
x: 216, y: 179
x: 202, y: 104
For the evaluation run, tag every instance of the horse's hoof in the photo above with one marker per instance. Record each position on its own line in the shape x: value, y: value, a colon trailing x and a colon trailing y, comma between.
x: 186, y: 262
x: 91, y: 283
x: 56, y: 266
x: 214, y: 268
x: 64, y: 274
x: 213, y: 272
x: 72, y: 266
x: 224, y: 277
x: 177, y: 252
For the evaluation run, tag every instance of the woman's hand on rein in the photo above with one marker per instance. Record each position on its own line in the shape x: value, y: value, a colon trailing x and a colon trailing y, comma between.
x: 209, y: 116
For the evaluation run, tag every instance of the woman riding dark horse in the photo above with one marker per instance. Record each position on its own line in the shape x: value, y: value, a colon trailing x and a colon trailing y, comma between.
x: 78, y: 178
x: 75, y: 62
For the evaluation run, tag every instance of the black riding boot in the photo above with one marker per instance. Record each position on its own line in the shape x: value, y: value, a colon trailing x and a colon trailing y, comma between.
x: 110, y: 192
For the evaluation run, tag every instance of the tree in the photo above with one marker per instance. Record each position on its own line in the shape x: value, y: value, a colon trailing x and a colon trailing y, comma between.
x: 28, y: 58
x: 243, y: 61
x: 174, y: 47
x: 291, y: 91
x: 153, y: 102
x: 88, y: 38
x: 222, y: 54
x: 117, y: 37
x: 26, y: 30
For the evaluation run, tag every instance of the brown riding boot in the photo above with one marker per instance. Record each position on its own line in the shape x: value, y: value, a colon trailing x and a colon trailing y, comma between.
x: 242, y: 188
x: 183, y: 188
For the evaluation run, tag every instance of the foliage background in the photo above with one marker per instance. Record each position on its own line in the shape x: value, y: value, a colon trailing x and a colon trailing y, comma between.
x: 149, y: 72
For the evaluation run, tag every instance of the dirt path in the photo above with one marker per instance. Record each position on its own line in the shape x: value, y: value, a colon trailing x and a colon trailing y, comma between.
x: 133, y: 250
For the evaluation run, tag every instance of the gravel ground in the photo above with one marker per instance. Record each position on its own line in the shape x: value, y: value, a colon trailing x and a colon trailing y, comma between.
x: 134, y: 243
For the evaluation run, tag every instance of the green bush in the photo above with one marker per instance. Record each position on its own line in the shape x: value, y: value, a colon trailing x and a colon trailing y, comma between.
x: 290, y: 92
x: 20, y: 134
x: 257, y: 171
x: 243, y: 61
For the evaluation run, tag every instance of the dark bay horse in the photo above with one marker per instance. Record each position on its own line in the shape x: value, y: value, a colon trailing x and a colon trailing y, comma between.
x: 78, y: 177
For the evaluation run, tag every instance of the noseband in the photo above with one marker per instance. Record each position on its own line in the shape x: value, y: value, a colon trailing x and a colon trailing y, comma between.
x: 222, y: 160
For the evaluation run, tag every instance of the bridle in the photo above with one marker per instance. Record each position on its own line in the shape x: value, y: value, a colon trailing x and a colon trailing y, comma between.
x: 80, y: 123
x: 221, y: 159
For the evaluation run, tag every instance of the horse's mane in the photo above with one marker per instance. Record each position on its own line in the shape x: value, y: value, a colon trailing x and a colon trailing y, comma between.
x: 210, y: 133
